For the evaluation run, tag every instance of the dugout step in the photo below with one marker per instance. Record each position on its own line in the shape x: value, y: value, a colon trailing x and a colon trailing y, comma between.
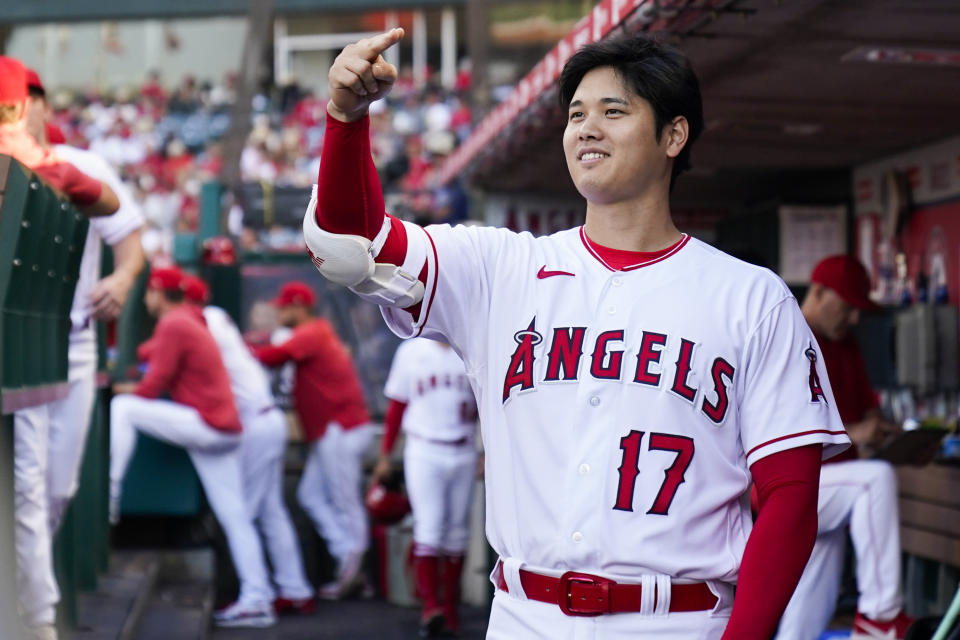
x: 182, y: 601
x: 113, y: 610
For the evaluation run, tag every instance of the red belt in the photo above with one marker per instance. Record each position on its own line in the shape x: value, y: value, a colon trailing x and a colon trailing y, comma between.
x: 583, y: 594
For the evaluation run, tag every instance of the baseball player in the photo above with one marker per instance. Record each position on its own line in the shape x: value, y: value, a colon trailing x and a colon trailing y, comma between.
x: 50, y: 438
x: 262, y: 456
x: 329, y: 401
x: 91, y: 197
x: 856, y: 493
x: 630, y: 379
x: 431, y: 397
x: 201, y: 416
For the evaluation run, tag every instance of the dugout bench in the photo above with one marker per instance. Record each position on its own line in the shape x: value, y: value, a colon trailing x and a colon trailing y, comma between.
x: 929, y: 499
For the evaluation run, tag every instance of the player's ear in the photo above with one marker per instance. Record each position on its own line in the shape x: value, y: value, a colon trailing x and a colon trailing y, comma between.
x: 675, y: 136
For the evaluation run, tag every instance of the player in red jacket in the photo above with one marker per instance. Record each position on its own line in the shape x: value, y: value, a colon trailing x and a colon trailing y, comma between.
x: 183, y: 362
x: 329, y: 402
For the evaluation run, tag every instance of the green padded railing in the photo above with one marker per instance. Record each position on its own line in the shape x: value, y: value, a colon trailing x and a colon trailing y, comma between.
x: 41, y: 244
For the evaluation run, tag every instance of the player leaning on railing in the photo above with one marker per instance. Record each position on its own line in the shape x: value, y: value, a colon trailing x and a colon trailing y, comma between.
x: 631, y: 380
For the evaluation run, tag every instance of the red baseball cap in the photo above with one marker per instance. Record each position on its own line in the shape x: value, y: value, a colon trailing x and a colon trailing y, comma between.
x: 13, y: 81
x: 33, y: 81
x: 845, y: 275
x: 195, y: 289
x: 55, y: 134
x: 166, y: 279
x: 295, y: 292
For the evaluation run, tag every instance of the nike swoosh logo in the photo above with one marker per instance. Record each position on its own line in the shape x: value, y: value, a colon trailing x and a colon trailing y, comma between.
x: 543, y: 273
x: 877, y: 632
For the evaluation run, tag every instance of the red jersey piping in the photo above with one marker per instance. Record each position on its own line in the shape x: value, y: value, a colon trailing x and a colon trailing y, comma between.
x: 645, y: 263
x: 796, y: 435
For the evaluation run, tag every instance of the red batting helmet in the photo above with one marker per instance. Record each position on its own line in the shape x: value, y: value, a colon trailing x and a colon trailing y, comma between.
x: 218, y: 250
x: 386, y: 506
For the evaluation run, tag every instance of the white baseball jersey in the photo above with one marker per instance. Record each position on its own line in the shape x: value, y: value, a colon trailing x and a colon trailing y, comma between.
x: 248, y: 380
x: 620, y: 410
x: 111, y: 229
x: 429, y: 377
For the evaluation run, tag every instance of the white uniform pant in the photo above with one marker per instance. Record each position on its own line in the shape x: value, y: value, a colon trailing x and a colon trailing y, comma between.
x: 264, y: 442
x: 49, y: 442
x: 513, y: 618
x: 863, y: 495
x: 36, y: 584
x: 331, y: 490
x: 216, y: 457
x: 69, y: 426
x: 440, y: 481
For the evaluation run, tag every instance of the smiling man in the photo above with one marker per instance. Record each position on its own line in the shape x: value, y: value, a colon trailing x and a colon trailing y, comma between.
x: 630, y: 379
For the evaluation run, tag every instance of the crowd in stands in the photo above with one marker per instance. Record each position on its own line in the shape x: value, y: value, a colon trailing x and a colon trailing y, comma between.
x: 167, y: 142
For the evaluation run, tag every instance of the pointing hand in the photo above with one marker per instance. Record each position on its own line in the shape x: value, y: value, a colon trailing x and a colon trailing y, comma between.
x: 360, y: 75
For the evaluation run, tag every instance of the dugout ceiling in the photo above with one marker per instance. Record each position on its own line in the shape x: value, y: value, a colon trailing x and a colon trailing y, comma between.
x: 791, y: 88
x: 68, y: 10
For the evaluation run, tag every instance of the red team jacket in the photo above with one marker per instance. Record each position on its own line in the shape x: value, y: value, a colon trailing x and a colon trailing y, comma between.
x: 184, y: 361
x: 851, y: 386
x: 326, y: 387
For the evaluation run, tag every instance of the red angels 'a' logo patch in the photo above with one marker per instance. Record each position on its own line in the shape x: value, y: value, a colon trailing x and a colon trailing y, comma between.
x: 816, y: 389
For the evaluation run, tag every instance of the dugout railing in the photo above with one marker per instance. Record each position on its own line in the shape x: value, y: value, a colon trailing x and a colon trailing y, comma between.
x: 41, y: 245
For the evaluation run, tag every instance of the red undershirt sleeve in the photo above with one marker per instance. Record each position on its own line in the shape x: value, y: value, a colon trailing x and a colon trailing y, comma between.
x: 787, y: 486
x: 348, y: 181
x: 391, y: 424
x: 79, y: 187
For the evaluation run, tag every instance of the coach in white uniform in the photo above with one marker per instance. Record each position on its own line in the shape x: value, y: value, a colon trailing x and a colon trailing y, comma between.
x: 429, y: 389
x: 262, y: 453
x: 50, y: 439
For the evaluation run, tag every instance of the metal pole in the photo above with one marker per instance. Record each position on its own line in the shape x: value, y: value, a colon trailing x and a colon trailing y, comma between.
x: 419, y: 48
x: 448, y: 48
x: 252, y: 73
x: 478, y: 46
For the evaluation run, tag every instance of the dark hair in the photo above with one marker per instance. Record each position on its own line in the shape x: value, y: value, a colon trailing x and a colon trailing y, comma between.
x: 173, y: 295
x: 657, y: 72
x: 36, y: 92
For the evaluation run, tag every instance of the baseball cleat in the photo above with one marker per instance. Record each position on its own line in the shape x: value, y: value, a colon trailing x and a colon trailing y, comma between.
x: 431, y: 625
x: 245, y: 614
x: 866, y: 629
x: 298, y: 606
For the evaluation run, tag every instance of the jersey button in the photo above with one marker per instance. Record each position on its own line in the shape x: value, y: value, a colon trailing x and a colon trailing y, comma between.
x: 577, y: 536
x: 612, y: 310
x: 584, y: 469
x: 594, y: 401
x: 617, y: 282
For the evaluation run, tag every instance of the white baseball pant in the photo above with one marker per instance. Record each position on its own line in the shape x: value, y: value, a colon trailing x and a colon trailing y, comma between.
x: 863, y: 495
x: 49, y: 442
x: 331, y: 489
x: 216, y: 457
x: 513, y: 617
x: 264, y: 442
x: 440, y: 481
x: 37, y: 587
x: 69, y: 426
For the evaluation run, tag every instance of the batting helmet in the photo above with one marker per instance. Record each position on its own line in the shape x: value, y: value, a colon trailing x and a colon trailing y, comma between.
x: 386, y: 506
x: 218, y: 250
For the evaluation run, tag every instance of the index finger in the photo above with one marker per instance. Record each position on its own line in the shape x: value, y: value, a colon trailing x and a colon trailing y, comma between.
x: 376, y: 45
